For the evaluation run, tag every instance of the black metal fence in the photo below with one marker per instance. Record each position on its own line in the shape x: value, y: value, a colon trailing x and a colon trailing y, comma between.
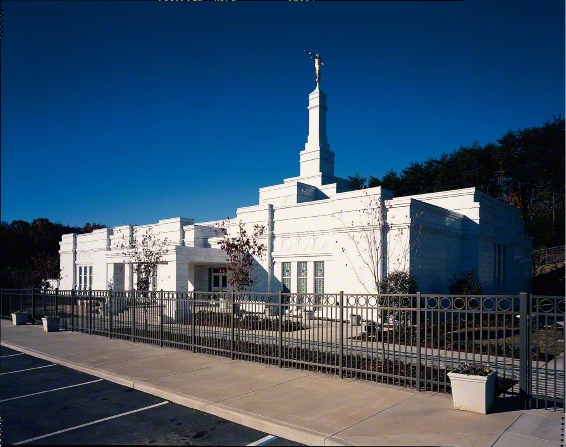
x: 404, y: 340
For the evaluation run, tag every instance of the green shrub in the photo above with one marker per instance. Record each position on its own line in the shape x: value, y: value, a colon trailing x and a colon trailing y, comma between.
x: 465, y: 283
x: 398, y: 282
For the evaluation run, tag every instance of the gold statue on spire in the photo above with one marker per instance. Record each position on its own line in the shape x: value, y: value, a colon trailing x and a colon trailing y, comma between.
x: 317, y: 64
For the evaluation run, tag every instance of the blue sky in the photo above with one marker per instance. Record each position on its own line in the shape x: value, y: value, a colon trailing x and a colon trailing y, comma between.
x: 131, y: 112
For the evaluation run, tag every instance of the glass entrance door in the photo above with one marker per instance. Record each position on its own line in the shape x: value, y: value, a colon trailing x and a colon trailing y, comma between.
x: 219, y: 280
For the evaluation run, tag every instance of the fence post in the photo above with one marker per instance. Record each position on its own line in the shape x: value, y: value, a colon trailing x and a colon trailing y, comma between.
x: 161, y: 318
x: 72, y: 310
x: 418, y: 363
x: 44, y: 302
x: 32, y: 305
x: 89, y: 311
x: 280, y: 333
x: 193, y: 321
x: 524, y: 347
x: 133, y: 316
x: 110, y: 308
x: 232, y: 332
x: 341, y: 336
x: 56, y: 301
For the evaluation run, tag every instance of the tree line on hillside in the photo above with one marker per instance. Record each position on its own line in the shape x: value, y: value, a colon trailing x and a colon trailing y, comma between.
x: 524, y: 169
x: 30, y: 251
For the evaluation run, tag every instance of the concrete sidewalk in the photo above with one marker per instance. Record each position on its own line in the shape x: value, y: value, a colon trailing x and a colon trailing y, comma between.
x: 302, y: 406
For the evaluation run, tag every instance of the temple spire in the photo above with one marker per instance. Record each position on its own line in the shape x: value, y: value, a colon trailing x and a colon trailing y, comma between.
x: 317, y: 158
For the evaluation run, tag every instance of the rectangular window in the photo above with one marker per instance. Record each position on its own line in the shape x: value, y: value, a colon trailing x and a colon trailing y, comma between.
x: 80, y: 278
x: 84, y: 277
x: 286, y: 277
x: 301, y: 277
x: 318, y: 281
x: 154, y: 280
x: 499, y: 267
x: 319, y: 277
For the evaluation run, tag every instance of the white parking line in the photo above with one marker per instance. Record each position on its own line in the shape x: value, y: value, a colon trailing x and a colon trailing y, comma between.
x: 50, y: 391
x: 23, y: 370
x: 264, y: 441
x: 90, y: 423
x: 11, y: 355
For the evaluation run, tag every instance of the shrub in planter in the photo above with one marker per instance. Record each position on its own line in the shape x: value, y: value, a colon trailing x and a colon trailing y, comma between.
x: 473, y: 387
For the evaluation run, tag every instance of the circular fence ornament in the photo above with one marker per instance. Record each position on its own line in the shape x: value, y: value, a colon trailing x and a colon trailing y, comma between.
x: 488, y: 304
x: 504, y: 304
x: 545, y: 305
x: 473, y: 304
x: 458, y: 303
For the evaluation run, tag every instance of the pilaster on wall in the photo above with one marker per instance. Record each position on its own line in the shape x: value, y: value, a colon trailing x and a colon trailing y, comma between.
x: 129, y: 274
x: 67, y: 261
x: 191, y: 283
x: 270, y: 236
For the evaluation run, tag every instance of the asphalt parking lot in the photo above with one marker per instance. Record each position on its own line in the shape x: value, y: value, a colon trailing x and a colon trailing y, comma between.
x: 45, y: 403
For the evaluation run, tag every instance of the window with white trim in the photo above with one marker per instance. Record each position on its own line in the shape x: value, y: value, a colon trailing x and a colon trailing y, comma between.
x: 318, y: 281
x: 302, y: 277
x: 286, y: 277
x: 84, y: 277
x: 154, y: 280
x: 499, y: 268
x: 80, y: 277
x: 319, y: 277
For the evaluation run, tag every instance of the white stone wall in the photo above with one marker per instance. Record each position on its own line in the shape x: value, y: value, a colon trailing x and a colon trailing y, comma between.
x: 434, y: 241
x: 436, y: 246
x: 487, y: 221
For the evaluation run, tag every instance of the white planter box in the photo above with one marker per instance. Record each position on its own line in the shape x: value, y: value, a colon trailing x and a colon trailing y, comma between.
x: 50, y: 324
x: 225, y: 307
x: 473, y: 393
x: 308, y: 314
x: 19, y: 318
x: 355, y: 320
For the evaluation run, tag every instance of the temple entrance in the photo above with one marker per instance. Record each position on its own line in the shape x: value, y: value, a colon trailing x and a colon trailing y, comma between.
x: 219, y: 279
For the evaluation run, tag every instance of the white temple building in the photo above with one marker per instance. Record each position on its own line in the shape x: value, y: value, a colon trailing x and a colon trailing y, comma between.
x: 323, y: 237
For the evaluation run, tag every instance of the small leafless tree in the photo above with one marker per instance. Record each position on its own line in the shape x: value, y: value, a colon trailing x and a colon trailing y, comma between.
x: 241, y: 250
x: 376, y: 244
x: 145, y: 252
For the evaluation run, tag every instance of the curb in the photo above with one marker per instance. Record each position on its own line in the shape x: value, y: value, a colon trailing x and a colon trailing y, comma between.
x: 271, y: 426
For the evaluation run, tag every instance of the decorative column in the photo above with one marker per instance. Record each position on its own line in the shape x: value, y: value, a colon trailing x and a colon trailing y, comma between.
x: 269, y: 247
x: 74, y: 273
